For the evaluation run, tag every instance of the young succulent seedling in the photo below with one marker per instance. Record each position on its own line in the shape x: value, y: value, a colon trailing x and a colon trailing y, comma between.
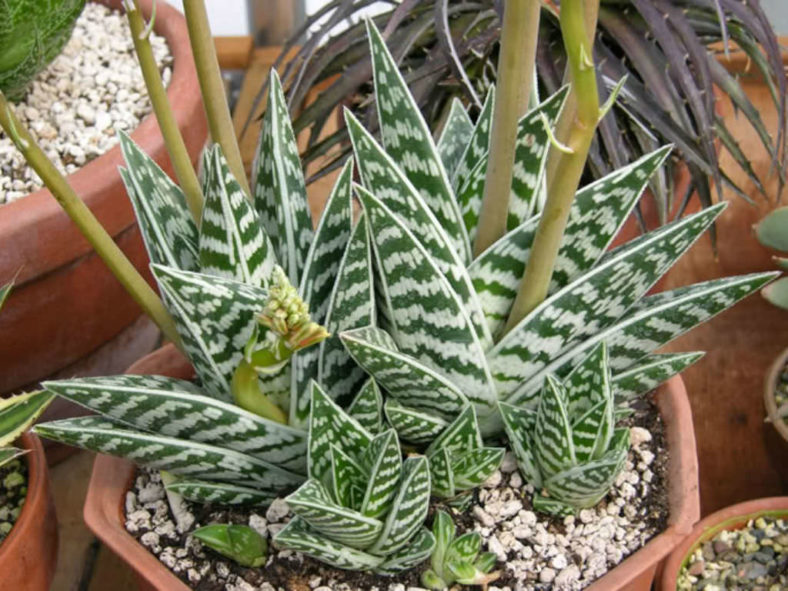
x: 457, y: 559
x: 772, y: 232
x: 240, y: 543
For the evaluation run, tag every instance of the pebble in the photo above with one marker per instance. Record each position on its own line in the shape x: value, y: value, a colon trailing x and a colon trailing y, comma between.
x: 277, y: 511
x: 73, y: 108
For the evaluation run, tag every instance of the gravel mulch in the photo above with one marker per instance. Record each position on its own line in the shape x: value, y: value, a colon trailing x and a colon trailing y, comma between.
x: 73, y: 108
x: 13, y: 491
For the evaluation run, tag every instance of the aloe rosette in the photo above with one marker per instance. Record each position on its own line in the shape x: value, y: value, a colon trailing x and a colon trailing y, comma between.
x: 363, y: 506
x: 440, y: 340
x: 249, y: 288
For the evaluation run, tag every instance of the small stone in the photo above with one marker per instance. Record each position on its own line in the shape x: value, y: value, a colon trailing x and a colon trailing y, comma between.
x: 86, y: 113
x: 494, y: 481
x: 494, y: 545
x: 696, y: 568
x: 277, y: 511
x: 483, y: 517
x: 509, y: 463
x: 559, y: 562
x: 720, y: 547
x: 515, y: 480
x: 546, y: 575
x: 567, y: 577
x: 586, y: 516
x: 752, y: 570
x: 638, y: 436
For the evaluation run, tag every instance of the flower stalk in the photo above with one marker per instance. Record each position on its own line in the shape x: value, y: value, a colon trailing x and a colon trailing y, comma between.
x: 88, y: 225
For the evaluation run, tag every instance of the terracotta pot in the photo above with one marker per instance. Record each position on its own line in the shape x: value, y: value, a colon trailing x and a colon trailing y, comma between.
x: 776, y: 439
x: 112, y: 477
x: 28, y: 555
x: 66, y: 303
x: 734, y: 517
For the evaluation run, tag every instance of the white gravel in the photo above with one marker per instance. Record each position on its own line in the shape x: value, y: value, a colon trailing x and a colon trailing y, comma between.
x: 74, y: 107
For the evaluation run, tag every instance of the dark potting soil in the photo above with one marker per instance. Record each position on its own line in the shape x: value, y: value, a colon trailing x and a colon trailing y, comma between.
x: 13, y: 491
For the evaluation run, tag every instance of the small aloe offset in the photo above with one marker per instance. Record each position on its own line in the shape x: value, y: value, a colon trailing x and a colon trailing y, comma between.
x: 363, y: 506
x: 237, y: 542
x: 772, y: 232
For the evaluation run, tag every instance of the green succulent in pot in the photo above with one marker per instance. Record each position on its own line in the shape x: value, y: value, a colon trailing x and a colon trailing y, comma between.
x: 772, y: 232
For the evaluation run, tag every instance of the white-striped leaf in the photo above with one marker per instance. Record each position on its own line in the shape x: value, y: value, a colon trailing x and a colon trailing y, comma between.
x: 383, y: 463
x: 591, y: 433
x: 588, y: 383
x: 441, y: 474
x: 348, y: 479
x: 464, y: 548
x: 407, y: 557
x: 179, y: 409
x: 232, y: 241
x: 455, y: 136
x: 553, y: 435
x: 402, y: 377
x: 520, y: 425
x: 473, y: 467
x: 367, y: 407
x: 279, y: 190
x: 18, y: 412
x: 651, y: 372
x: 408, y: 140
x: 461, y: 436
x: 168, y: 230
x: 479, y: 142
x: 221, y: 493
x: 215, y: 317
x: 413, y: 425
x: 10, y: 453
x: 183, y: 458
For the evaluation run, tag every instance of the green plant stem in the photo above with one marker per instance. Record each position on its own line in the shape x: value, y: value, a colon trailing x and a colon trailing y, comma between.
x: 515, y: 78
x: 247, y: 394
x: 212, y: 89
x: 179, y: 155
x: 88, y: 225
x: 561, y: 191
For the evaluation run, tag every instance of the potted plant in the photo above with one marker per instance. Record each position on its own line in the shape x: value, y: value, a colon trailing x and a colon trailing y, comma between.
x: 418, y: 331
x: 28, y: 527
x: 67, y: 305
x: 744, y: 544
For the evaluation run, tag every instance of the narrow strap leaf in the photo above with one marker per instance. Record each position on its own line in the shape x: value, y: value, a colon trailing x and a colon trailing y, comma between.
x: 222, y: 493
x: 412, y: 425
x: 650, y: 372
x: 591, y: 432
x: 589, y: 382
x: 410, y: 556
x: 18, y: 413
x: 455, y: 136
x: 460, y: 436
x: 441, y: 474
x: 479, y: 143
x: 347, y: 475
x: 553, y: 437
x: 367, y: 407
x: 475, y: 466
x: 520, y: 424
x: 384, y: 465
x: 9, y: 453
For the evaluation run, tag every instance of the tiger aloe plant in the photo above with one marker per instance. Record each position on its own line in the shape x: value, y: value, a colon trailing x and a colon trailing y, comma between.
x: 772, y: 232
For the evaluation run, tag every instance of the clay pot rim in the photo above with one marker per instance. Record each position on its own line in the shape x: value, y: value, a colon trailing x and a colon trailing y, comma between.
x: 25, y: 219
x: 112, y: 478
x: 36, y: 493
x: 770, y: 385
x: 733, y: 517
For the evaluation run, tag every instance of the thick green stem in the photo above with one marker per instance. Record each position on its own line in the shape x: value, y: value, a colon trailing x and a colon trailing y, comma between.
x: 179, y: 155
x: 212, y: 88
x: 87, y: 223
x: 571, y: 163
x: 247, y: 394
x: 515, y: 78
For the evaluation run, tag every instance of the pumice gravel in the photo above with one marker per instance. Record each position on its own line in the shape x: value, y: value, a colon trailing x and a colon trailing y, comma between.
x: 74, y: 107
x: 13, y: 491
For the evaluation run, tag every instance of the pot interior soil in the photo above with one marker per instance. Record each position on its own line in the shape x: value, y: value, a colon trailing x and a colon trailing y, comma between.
x: 13, y: 492
x: 536, y: 552
x: 781, y: 392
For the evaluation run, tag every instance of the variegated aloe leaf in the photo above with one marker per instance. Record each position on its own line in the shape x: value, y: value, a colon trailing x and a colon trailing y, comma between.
x: 409, y: 142
x: 552, y: 439
x: 232, y: 241
x: 380, y: 173
x: 383, y: 462
x: 520, y: 424
x: 455, y: 136
x: 297, y: 535
x: 318, y: 281
x: 352, y: 305
x: 413, y: 425
x: 179, y: 409
x: 429, y: 321
x: 180, y: 457
x: 405, y: 379
x: 215, y: 317
x: 461, y: 436
x: 589, y: 382
x: 441, y: 474
x: 475, y: 466
x: 168, y: 230
x: 591, y: 433
x: 18, y: 412
x: 367, y: 407
x: 348, y: 479
x: 414, y: 553
x: 478, y: 144
x: 650, y: 373
x: 591, y: 303
x: 4, y: 291
x: 222, y: 493
x: 9, y: 453
x: 328, y: 424
x: 279, y: 190
x: 312, y: 503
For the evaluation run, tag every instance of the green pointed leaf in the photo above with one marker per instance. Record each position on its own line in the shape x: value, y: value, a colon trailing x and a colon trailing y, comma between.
x: 474, y: 467
x: 409, y: 142
x: 312, y: 503
x: 777, y: 292
x: 520, y: 425
x: 383, y: 461
x: 220, y: 493
x: 347, y: 477
x: 441, y: 474
x: 461, y: 436
x: 553, y: 436
x: 456, y: 134
x: 18, y: 413
x: 464, y: 548
x: 479, y: 142
x: 485, y: 562
x: 278, y: 187
x: 298, y: 536
x: 232, y: 242
x: 4, y: 291
x: 405, y: 379
x: 771, y: 230
x: 352, y: 305
x: 367, y: 407
x: 443, y: 530
x: 9, y: 453
x: 180, y: 457
x: 215, y: 318
x: 237, y: 542
x: 588, y: 383
x: 415, y: 426
x: 410, y: 556
x: 591, y: 432
x: 168, y: 230
x: 179, y: 409
x: 650, y: 373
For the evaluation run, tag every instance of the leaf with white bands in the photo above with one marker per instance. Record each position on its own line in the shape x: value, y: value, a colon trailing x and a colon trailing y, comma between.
x: 179, y: 409
x: 409, y: 141
x: 298, y: 536
x: 347, y: 477
x: 380, y: 173
x: 367, y: 407
x: 405, y: 379
x: 479, y: 142
x: 312, y: 503
x: 475, y: 466
x: 460, y: 436
x: 591, y: 432
x: 319, y: 280
x: 429, y: 321
x: 18, y: 412
x: 232, y: 242
x: 167, y: 228
x: 650, y: 372
x: 183, y: 458
x: 588, y: 382
x: 9, y: 453
x: 553, y: 436
x: 417, y: 551
x: 221, y: 493
x: 352, y: 305
x: 413, y: 425
x: 279, y: 189
x: 590, y: 304
x: 441, y: 474
x: 520, y: 424
x: 384, y: 465
x: 215, y: 317
x: 455, y: 136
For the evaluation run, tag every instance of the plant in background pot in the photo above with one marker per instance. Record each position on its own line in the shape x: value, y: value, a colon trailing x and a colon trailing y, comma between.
x: 491, y: 304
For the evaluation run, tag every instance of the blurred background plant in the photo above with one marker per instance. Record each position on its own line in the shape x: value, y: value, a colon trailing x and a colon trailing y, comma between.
x: 669, y: 51
x: 32, y: 34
